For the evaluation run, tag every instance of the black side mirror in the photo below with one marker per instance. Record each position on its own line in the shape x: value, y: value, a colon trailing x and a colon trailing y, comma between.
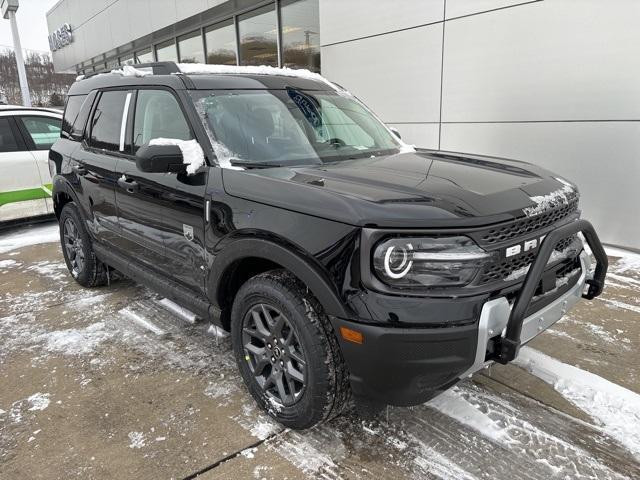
x: 395, y: 131
x: 160, y: 159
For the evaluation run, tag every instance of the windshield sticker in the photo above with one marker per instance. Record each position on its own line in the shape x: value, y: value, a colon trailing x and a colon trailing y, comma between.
x: 307, y: 105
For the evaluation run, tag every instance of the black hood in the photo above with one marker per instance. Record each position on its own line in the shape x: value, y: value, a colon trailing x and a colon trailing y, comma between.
x: 421, y: 189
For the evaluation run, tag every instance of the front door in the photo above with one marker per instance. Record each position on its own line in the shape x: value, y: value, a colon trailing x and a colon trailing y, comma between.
x: 161, y: 214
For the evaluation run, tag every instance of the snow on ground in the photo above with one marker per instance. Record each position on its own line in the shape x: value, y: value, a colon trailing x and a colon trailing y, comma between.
x: 30, y: 236
x: 614, y: 407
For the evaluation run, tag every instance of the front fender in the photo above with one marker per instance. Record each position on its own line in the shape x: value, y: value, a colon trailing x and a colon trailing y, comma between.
x: 301, y: 264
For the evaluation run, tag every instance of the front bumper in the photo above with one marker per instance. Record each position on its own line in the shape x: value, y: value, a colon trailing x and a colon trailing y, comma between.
x: 408, y: 366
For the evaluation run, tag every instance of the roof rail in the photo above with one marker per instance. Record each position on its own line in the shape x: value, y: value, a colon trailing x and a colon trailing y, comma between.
x: 157, y: 68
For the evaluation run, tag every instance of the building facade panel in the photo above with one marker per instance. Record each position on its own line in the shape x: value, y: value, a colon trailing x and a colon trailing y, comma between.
x: 347, y: 20
x: 460, y: 8
x: 600, y: 157
x: 394, y: 73
x: 424, y: 134
x: 544, y: 61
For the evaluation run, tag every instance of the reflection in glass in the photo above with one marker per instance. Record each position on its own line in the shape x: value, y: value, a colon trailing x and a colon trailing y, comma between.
x: 166, y: 51
x: 191, y: 48
x: 258, y: 37
x: 300, y: 34
x: 144, y: 56
x: 221, y: 43
x: 127, y: 60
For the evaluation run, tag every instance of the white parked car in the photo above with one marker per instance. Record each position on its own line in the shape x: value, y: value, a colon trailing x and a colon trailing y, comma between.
x: 26, y: 134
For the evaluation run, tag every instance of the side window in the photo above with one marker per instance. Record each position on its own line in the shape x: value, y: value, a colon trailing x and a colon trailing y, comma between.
x: 44, y: 131
x: 71, y: 110
x: 107, y: 120
x: 158, y: 115
x: 8, y: 141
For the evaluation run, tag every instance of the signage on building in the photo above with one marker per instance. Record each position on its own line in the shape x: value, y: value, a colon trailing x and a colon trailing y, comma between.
x: 61, y: 37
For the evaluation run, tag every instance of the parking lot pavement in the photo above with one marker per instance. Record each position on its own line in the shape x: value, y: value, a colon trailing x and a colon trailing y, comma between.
x: 109, y: 383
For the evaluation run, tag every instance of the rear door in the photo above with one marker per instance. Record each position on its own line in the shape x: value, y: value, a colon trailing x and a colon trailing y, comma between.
x: 162, y: 215
x: 21, y: 187
x: 94, y: 163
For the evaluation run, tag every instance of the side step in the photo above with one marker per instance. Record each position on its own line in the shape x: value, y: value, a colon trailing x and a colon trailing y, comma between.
x: 159, y: 283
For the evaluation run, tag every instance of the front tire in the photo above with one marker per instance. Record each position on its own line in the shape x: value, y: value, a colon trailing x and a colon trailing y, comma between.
x: 286, y: 351
x: 77, y: 249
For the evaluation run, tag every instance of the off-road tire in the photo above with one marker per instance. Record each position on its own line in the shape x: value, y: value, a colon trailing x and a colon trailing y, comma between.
x: 326, y: 390
x: 93, y: 272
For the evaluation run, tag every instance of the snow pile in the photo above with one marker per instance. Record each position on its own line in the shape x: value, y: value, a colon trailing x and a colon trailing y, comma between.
x: 558, y: 197
x: 453, y: 404
x: 615, y: 407
x: 30, y: 236
x: 137, y: 440
x: 626, y: 261
x: 38, y: 401
x: 193, y: 156
x: 75, y: 341
x: 129, y: 71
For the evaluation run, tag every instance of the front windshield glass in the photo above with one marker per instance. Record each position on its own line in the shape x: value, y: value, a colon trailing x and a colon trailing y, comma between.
x: 289, y: 127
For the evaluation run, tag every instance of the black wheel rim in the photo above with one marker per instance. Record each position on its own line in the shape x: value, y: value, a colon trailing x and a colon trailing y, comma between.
x: 274, y: 354
x: 73, y: 246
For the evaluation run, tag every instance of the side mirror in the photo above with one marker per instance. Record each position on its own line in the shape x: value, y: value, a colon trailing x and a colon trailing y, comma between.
x: 160, y: 159
x: 395, y: 131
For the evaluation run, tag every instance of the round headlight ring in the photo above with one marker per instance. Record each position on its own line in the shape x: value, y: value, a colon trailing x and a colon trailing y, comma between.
x: 405, y: 265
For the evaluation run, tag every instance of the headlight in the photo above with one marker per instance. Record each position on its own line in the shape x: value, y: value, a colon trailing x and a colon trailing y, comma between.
x: 428, y: 262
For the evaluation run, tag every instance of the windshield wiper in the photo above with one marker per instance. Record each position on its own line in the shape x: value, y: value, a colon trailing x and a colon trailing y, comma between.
x: 250, y: 164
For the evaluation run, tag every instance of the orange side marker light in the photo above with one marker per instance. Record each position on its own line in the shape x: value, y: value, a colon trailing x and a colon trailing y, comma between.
x: 351, y: 335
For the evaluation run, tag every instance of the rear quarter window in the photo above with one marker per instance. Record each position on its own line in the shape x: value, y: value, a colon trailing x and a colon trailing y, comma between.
x: 71, y: 111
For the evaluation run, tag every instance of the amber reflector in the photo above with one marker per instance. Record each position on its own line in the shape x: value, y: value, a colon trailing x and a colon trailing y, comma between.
x: 351, y: 335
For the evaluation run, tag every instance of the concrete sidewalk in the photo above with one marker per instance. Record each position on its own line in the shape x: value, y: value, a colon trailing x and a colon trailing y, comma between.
x: 107, y: 383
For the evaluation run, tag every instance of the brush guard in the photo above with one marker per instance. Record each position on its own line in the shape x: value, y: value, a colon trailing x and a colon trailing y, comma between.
x: 509, y: 345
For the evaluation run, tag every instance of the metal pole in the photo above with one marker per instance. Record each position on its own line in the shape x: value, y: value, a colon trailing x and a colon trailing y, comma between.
x: 22, y: 74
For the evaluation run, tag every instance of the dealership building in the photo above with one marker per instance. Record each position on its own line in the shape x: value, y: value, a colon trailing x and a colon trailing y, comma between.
x: 552, y: 82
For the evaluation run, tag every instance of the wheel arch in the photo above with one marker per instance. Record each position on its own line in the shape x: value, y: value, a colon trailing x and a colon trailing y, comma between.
x: 242, y: 258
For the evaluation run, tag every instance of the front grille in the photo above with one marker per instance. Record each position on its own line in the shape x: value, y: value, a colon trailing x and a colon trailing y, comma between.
x: 525, y: 226
x: 505, y: 268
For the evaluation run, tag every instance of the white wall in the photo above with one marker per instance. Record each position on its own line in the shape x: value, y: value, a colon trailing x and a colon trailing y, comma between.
x: 553, y: 82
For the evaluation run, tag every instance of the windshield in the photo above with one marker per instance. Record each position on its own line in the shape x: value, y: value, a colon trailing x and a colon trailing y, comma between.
x: 289, y: 127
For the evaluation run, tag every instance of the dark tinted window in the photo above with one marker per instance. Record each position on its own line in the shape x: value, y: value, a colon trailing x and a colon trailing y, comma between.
x: 107, y: 119
x: 158, y: 115
x: 71, y: 110
x: 44, y: 131
x: 7, y: 139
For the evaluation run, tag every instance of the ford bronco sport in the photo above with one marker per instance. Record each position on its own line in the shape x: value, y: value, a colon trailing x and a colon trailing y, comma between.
x: 274, y: 204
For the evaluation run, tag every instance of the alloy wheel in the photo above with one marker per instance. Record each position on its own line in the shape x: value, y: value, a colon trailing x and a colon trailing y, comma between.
x: 274, y: 354
x: 73, y: 246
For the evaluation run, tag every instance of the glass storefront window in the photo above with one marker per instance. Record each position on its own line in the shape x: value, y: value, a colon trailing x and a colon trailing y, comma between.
x: 221, y: 43
x: 259, y: 37
x: 300, y: 34
x: 166, y: 51
x: 144, y: 56
x: 191, y: 48
x: 126, y: 60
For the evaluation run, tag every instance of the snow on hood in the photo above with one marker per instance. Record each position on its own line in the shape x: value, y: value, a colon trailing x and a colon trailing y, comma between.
x: 193, y: 156
x: 544, y: 202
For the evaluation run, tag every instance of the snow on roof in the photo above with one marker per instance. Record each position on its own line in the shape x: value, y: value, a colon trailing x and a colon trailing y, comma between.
x: 203, y: 69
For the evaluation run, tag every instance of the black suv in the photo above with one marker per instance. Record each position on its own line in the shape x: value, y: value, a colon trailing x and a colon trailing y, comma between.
x: 274, y: 204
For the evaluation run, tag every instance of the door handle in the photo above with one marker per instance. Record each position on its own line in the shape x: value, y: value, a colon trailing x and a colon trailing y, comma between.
x: 79, y: 170
x: 130, y: 186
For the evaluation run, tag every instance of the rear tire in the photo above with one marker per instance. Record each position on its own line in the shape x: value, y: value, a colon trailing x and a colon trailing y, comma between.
x: 286, y: 351
x: 77, y: 249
